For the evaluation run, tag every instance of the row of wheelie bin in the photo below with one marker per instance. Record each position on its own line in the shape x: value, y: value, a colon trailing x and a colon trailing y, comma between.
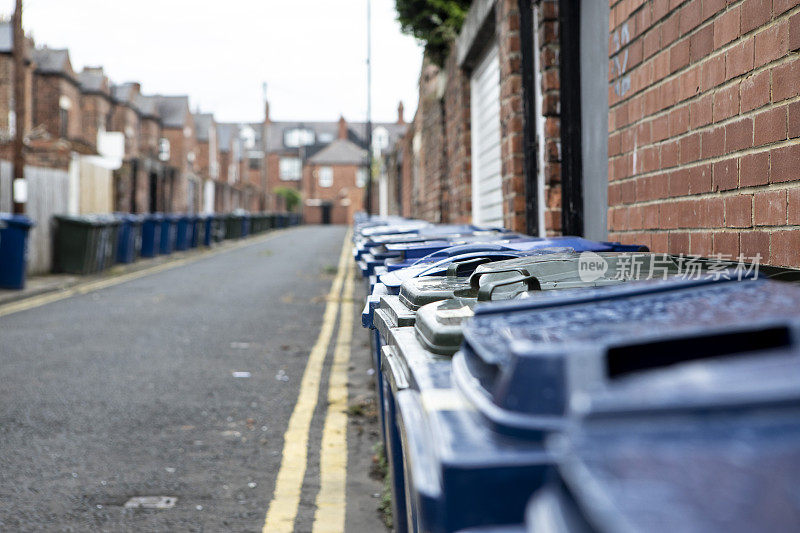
x: 88, y: 244
x: 568, y: 385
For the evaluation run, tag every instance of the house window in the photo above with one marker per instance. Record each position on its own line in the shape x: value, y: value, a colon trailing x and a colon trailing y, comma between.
x: 325, y: 176
x: 361, y: 177
x: 248, y: 137
x: 290, y: 168
x: 297, y: 137
x: 63, y: 126
x: 380, y: 140
x: 254, y: 163
x: 325, y: 138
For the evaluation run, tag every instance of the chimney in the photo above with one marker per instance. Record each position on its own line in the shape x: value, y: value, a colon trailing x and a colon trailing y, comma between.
x: 136, y: 86
x: 400, y: 119
x: 342, y: 128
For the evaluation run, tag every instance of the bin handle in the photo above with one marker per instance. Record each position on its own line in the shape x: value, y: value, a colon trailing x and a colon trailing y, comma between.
x: 530, y: 281
x: 453, y: 269
x: 626, y: 358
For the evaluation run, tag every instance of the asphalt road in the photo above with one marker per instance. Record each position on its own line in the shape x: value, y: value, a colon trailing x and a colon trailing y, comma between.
x: 130, y: 391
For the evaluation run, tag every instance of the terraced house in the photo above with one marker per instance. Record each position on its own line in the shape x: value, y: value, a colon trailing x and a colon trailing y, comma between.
x: 672, y: 123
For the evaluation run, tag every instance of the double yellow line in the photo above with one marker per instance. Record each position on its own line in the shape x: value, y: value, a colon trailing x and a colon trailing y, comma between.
x: 331, y: 499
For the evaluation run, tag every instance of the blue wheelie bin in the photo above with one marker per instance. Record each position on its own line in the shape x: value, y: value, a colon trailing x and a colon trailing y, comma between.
x: 151, y: 234
x: 183, y: 229
x: 437, y: 305
x: 705, y: 436
x: 13, y: 250
x: 129, y: 237
x: 169, y: 233
x: 530, y: 369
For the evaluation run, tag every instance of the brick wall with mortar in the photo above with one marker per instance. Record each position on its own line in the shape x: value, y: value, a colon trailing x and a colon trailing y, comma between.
x: 48, y: 90
x: 438, y: 173
x: 95, y: 109
x: 547, y: 64
x: 704, y: 124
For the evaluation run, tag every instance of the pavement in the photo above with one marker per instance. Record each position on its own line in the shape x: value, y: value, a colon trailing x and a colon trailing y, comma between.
x: 181, y: 381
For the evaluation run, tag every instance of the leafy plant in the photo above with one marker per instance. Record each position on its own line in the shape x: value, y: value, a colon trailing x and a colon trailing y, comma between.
x: 435, y: 23
x: 291, y: 197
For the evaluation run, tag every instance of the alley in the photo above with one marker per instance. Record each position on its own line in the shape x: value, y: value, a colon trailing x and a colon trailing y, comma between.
x: 178, y: 384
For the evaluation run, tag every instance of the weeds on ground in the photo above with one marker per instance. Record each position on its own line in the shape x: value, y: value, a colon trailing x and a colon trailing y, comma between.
x: 381, y: 469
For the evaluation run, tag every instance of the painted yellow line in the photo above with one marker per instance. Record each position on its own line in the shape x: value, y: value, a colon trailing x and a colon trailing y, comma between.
x: 91, y: 286
x: 331, y: 499
x: 283, y: 508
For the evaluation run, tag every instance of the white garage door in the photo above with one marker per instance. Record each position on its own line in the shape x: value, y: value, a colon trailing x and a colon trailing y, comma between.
x: 487, y: 193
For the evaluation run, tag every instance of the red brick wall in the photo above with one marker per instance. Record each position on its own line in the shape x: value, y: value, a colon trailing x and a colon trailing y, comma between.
x: 95, y: 109
x: 703, y: 146
x: 148, y: 139
x: 126, y: 120
x: 442, y: 184
x: 547, y: 35
x: 47, y: 92
x: 458, y: 140
x: 511, y: 114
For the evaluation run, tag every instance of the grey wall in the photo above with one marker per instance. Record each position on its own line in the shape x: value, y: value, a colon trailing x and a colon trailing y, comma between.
x: 594, y: 110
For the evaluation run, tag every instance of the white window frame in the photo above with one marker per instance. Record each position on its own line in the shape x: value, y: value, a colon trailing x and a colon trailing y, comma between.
x: 291, y: 169
x: 325, y: 177
x: 297, y: 137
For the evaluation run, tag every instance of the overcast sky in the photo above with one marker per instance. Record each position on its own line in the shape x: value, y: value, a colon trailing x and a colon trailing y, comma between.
x: 311, y: 53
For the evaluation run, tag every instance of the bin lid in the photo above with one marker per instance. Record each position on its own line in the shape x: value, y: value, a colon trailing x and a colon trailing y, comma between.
x: 80, y: 220
x: 415, y: 250
x: 9, y: 219
x: 732, y: 469
x: 438, y: 324
x: 569, y: 271
x: 459, y: 265
x: 416, y: 292
x: 410, y: 365
x: 590, y: 340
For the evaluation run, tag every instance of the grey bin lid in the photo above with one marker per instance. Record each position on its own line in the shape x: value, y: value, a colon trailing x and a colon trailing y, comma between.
x: 563, y: 271
x: 392, y: 314
x: 416, y: 292
x: 582, y: 352
x: 409, y: 365
x: 723, y: 454
x: 438, y: 324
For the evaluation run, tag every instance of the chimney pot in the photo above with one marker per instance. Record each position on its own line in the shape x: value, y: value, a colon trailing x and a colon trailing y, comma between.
x: 342, y: 128
x: 400, y: 119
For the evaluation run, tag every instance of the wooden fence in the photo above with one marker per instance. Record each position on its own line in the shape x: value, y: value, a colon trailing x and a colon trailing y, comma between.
x: 48, y: 193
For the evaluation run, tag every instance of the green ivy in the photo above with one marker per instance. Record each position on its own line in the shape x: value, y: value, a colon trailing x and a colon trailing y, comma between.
x: 291, y: 197
x: 435, y: 23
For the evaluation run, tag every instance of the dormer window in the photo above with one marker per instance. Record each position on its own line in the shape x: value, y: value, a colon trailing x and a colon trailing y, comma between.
x: 380, y: 139
x: 297, y: 137
x: 248, y: 136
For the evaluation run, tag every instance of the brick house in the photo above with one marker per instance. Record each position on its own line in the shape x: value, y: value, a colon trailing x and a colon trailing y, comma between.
x: 667, y: 123
x: 251, y: 162
x: 290, y: 146
x: 207, y: 158
x: 151, y: 163
x: 228, y: 190
x: 182, y: 184
x: 333, y: 182
x: 7, y: 111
